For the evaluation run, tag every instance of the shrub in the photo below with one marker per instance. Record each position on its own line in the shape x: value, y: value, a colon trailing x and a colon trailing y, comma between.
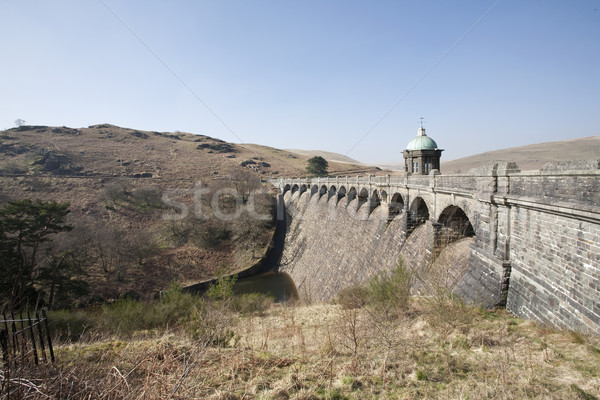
x: 210, y: 323
x: 249, y: 303
x: 389, y: 293
x: 128, y: 315
x: 70, y: 325
x: 352, y: 297
x: 447, y: 312
x: 223, y: 288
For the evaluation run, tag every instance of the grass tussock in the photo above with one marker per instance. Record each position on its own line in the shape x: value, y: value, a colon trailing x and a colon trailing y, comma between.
x: 375, y: 343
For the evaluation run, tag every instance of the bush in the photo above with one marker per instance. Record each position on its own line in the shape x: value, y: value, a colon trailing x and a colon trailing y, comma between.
x: 389, y: 294
x: 210, y: 323
x: 70, y: 325
x: 128, y: 315
x: 352, y: 297
x: 447, y: 312
x: 249, y: 303
x: 223, y: 289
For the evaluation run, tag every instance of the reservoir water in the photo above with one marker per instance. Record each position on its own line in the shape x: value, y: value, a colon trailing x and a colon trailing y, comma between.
x: 277, y: 284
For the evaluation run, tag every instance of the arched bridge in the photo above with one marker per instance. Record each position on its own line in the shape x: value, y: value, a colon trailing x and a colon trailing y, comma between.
x: 536, y: 246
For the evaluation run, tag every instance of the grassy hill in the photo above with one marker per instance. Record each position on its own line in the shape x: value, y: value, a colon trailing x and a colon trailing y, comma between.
x: 115, y: 180
x: 338, y: 163
x: 531, y: 157
x: 328, y: 155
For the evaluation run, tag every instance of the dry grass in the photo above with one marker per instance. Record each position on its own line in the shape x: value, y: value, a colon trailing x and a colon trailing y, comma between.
x: 305, y: 352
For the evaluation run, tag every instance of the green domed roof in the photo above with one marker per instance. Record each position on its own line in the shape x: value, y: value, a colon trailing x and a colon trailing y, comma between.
x: 422, y: 142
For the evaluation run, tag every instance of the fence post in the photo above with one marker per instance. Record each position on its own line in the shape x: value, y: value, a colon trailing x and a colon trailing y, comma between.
x: 35, y: 353
x: 23, y: 338
x: 48, y: 335
x: 4, y: 343
x: 15, y: 340
x: 40, y: 334
x: 7, y: 329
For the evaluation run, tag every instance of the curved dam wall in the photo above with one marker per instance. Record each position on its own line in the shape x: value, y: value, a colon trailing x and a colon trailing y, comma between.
x: 332, y: 244
x: 534, y: 246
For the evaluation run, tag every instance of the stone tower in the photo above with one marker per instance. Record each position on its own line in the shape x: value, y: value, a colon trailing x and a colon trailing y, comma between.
x: 422, y: 154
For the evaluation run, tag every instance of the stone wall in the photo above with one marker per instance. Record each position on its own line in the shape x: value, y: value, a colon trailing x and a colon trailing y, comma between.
x: 329, y: 247
x: 555, y: 276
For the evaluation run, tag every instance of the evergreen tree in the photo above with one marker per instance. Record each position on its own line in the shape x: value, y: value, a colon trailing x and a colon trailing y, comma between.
x: 26, y: 227
x: 317, y: 166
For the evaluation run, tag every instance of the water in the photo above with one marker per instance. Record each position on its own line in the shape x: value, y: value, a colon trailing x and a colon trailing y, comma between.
x: 277, y: 284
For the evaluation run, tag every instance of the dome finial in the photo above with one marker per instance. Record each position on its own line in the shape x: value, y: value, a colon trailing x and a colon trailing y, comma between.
x: 421, y: 129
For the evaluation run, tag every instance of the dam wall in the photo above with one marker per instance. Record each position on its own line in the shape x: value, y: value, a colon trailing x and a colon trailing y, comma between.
x: 529, y: 241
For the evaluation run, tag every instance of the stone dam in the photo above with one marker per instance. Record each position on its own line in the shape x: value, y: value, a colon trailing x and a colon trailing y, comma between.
x: 529, y: 241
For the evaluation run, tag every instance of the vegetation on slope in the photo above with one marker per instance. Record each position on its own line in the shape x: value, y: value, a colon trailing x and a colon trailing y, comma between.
x: 373, y: 344
x: 145, y: 208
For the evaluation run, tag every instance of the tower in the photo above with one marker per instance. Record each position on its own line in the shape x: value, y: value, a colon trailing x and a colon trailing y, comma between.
x: 422, y: 154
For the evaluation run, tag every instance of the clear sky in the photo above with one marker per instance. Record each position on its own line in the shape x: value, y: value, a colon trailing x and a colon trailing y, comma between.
x: 352, y: 77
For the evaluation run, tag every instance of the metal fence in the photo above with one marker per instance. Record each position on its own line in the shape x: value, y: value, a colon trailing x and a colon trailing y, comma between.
x: 25, y: 339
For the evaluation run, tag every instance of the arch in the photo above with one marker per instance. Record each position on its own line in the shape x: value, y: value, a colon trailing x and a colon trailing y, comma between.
x: 384, y: 196
x: 322, y: 191
x: 374, y: 200
x: 419, y: 211
x: 303, y: 189
x: 341, y: 193
x: 314, y: 189
x: 295, y: 188
x: 351, y: 194
x: 395, y: 206
x: 286, y: 188
x: 331, y: 192
x: 456, y: 221
x: 363, y: 197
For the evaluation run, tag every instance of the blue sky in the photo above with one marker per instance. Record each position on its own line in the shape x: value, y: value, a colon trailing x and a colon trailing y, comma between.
x: 352, y: 77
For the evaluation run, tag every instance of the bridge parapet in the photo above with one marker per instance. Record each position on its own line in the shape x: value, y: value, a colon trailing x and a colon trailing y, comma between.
x: 579, y: 187
x: 457, y: 182
x: 545, y: 187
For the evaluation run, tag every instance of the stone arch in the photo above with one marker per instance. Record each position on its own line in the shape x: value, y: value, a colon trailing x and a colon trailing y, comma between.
x: 419, y: 212
x: 303, y: 189
x: 341, y: 193
x: 465, y: 206
x: 384, y: 196
x: 363, y: 197
x: 314, y: 189
x: 456, y: 223
x: 374, y: 200
x: 286, y: 189
x: 395, y: 206
x: 322, y: 191
x: 331, y: 192
x: 295, y: 188
x: 352, y: 193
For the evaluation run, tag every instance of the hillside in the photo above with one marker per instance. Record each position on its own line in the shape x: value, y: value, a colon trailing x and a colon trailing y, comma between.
x: 128, y: 238
x: 338, y: 163
x: 530, y: 157
x: 328, y: 155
